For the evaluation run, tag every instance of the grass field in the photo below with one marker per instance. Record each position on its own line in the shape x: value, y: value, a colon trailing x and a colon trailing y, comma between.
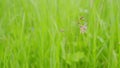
x: 59, y: 33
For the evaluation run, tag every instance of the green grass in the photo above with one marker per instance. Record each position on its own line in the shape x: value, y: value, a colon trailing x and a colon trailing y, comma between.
x: 46, y: 34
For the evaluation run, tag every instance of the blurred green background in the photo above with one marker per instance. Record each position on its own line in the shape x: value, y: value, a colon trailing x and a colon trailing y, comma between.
x: 47, y: 34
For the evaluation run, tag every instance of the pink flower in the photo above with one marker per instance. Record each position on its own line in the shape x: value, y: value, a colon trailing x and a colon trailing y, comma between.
x: 83, y: 29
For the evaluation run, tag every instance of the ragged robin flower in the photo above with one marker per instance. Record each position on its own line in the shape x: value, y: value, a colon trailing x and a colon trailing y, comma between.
x: 83, y: 29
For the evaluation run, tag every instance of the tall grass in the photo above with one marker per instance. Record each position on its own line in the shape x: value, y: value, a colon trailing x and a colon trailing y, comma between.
x: 46, y: 34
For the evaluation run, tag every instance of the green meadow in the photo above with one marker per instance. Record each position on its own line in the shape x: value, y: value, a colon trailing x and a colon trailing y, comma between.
x: 59, y: 33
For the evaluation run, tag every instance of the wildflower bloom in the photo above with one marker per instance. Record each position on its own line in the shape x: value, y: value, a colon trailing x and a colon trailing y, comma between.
x: 83, y: 29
